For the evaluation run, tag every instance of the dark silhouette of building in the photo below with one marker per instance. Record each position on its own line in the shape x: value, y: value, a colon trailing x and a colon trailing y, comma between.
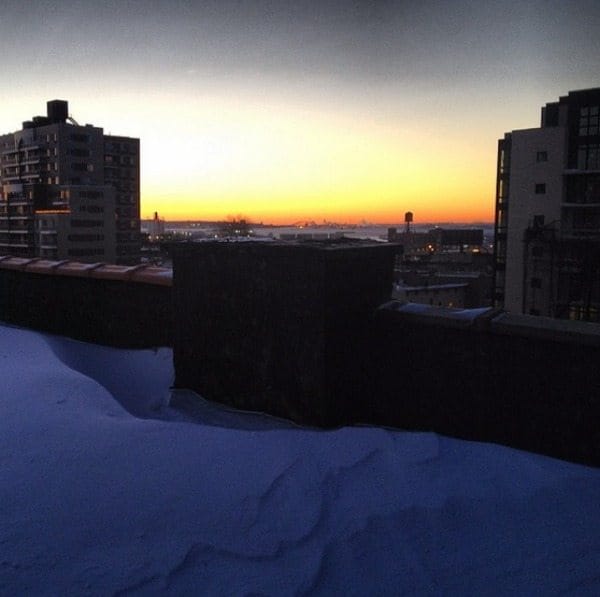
x: 69, y: 191
x: 547, y: 228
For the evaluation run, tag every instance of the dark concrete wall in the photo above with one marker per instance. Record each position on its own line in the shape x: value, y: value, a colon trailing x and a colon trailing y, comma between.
x: 104, y: 311
x: 278, y: 327
x: 531, y: 383
x: 297, y: 330
x: 294, y: 330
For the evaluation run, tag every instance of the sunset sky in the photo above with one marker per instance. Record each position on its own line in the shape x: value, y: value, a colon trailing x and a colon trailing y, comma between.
x: 284, y: 110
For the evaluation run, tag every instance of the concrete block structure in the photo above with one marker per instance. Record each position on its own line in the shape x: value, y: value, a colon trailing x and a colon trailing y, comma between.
x: 278, y: 327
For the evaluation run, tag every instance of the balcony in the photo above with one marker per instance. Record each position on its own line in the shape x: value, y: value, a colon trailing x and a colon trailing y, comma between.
x: 21, y: 176
x: 579, y: 204
x: 583, y: 234
x: 21, y: 149
x: 21, y: 223
x: 16, y: 202
x: 579, y: 172
x: 31, y: 160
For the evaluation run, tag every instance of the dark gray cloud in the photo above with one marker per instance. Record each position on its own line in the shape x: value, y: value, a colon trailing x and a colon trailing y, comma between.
x: 450, y: 42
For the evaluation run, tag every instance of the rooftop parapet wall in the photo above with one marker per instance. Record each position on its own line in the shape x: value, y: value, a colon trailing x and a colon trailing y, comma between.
x: 524, y: 381
x: 106, y: 304
x: 149, y: 274
x: 297, y: 330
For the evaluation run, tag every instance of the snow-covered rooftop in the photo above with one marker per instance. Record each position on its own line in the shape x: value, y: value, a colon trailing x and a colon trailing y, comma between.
x: 105, y: 490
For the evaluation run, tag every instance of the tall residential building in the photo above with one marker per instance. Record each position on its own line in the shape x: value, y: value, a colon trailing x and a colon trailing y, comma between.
x: 69, y: 191
x: 547, y: 229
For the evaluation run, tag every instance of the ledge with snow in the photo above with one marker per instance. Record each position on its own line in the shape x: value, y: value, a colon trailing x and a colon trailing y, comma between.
x: 299, y: 330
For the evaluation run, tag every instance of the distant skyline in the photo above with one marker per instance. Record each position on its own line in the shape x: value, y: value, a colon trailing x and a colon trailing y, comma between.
x: 288, y: 110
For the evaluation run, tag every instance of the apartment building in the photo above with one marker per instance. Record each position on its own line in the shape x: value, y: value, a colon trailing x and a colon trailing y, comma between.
x: 69, y: 191
x: 547, y: 225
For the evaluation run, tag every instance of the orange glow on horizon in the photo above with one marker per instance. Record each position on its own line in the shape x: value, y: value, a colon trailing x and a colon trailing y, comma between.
x: 282, y: 165
x: 425, y: 214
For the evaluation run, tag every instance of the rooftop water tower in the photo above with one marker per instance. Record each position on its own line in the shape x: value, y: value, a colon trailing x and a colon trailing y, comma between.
x: 408, y: 218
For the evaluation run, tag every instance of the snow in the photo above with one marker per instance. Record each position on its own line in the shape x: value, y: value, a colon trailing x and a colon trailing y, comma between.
x: 465, y: 316
x: 105, y: 489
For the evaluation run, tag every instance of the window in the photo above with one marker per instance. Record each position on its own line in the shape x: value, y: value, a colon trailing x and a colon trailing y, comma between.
x: 538, y: 221
x: 588, y: 157
x: 541, y: 156
x: 583, y: 188
x: 87, y: 223
x: 536, y: 282
x: 81, y: 153
x: 502, y: 160
x: 79, y: 138
x: 93, y: 209
x: 91, y: 194
x: 540, y: 188
x: 85, y: 252
x: 588, y: 121
x: 85, y: 237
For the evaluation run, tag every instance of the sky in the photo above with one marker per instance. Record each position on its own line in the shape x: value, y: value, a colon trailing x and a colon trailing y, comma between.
x: 292, y: 110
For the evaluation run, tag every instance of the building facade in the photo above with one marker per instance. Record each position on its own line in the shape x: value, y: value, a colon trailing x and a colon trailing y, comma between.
x: 547, y: 224
x: 69, y: 191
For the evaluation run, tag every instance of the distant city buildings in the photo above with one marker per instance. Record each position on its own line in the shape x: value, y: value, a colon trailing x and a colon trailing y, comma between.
x: 443, y: 267
x: 156, y: 227
x: 69, y: 191
x: 547, y: 225
x: 437, y: 240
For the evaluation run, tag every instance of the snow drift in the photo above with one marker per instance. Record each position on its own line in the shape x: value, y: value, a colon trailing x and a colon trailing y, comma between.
x: 106, y: 490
